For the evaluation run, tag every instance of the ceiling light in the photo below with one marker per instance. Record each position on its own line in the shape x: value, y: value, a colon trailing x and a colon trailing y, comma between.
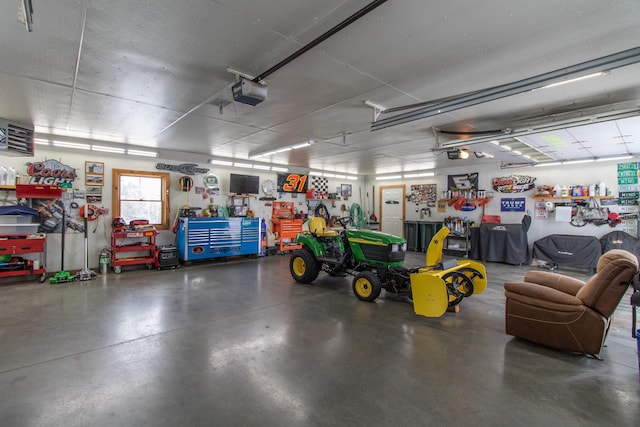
x: 142, y: 153
x: 464, y: 154
x: 77, y: 145
x: 314, y: 173
x: 494, y: 142
x: 40, y: 141
x: 604, y: 159
x: 384, y: 178
x: 576, y: 79
x: 352, y: 178
x: 242, y: 165
x: 279, y: 169
x: 457, y: 154
x: 329, y: 175
x: 301, y: 145
x: 539, y: 165
x: 106, y: 149
x: 262, y: 167
x: 220, y: 162
x: 573, y: 162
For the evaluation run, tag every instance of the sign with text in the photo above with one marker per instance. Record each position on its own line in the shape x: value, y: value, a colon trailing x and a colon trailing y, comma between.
x: 512, y: 204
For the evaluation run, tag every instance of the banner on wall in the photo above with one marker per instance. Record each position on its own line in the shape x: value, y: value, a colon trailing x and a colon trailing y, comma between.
x: 292, y: 183
x: 467, y: 181
x: 516, y: 204
x: 513, y: 183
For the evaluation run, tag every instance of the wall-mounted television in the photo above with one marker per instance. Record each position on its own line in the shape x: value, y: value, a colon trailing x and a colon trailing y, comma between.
x: 244, y: 184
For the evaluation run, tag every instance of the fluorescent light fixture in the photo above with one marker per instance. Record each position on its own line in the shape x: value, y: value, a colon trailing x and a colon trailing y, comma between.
x: 506, y: 147
x: 106, y: 149
x: 604, y: 159
x: 385, y: 178
x: 64, y: 144
x: 142, y: 153
x: 221, y: 162
x: 340, y: 177
x: 242, y: 165
x: 419, y: 175
x: 329, y: 175
x: 314, y: 173
x: 526, y: 156
x: 40, y: 141
x: 576, y: 79
x: 540, y: 165
x: 352, y: 178
x: 303, y: 144
x: 494, y: 142
x: 283, y: 149
x: 262, y: 167
x: 575, y: 162
x: 519, y: 153
x: 279, y: 169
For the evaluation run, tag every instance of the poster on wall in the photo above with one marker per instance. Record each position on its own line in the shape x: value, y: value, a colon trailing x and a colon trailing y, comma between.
x: 540, y: 211
x: 467, y: 181
x: 292, y: 183
x: 423, y: 193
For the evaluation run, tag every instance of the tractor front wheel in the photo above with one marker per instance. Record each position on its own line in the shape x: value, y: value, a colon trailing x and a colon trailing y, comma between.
x: 367, y: 286
x: 303, y: 266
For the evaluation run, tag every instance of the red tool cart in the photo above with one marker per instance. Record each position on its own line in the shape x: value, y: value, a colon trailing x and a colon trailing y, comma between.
x: 143, y: 243
x: 285, y: 225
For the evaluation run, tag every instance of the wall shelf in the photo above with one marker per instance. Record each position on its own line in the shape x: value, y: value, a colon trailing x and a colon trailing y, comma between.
x: 571, y: 197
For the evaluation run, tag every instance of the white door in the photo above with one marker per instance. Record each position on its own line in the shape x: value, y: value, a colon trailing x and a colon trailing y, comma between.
x: 392, y: 210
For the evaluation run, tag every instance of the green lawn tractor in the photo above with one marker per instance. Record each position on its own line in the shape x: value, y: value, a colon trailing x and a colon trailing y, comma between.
x: 376, y: 261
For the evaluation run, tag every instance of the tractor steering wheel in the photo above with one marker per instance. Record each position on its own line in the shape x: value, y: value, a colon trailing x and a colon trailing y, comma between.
x: 344, y: 221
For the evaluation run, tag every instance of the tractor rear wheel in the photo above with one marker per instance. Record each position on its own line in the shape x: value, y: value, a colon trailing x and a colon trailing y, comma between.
x: 303, y: 266
x: 367, y: 286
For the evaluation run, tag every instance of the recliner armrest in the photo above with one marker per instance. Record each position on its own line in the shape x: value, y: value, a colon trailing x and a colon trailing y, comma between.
x: 566, y: 284
x: 542, y: 296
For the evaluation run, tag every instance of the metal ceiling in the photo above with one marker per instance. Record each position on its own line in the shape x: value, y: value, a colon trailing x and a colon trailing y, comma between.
x: 154, y: 73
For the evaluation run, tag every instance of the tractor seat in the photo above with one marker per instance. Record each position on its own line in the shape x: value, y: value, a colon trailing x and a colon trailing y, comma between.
x: 318, y: 227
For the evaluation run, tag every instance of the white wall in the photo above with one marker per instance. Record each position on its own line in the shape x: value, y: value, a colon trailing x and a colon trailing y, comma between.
x: 100, y: 230
x: 579, y: 174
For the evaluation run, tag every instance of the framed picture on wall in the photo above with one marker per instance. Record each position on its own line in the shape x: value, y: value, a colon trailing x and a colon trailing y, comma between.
x: 345, y: 190
x: 93, y: 173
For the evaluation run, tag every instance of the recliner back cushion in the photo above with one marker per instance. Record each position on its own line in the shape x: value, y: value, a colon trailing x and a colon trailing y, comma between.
x: 605, y: 289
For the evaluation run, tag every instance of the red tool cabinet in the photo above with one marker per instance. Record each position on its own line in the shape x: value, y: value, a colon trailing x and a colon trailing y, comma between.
x: 20, y: 244
x: 285, y: 225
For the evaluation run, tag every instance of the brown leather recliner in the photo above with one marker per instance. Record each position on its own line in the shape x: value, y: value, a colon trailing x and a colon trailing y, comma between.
x: 566, y: 313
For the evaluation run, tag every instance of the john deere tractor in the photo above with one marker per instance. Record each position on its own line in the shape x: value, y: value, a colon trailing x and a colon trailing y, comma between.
x: 376, y: 261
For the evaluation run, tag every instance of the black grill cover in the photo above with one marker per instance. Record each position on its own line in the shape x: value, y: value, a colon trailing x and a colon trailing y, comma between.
x: 572, y: 251
x: 619, y: 240
x: 502, y: 243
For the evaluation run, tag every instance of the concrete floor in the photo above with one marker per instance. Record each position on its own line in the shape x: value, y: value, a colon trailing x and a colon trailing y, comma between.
x: 239, y: 343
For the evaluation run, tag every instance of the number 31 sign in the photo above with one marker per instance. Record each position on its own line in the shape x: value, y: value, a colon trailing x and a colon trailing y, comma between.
x: 292, y: 183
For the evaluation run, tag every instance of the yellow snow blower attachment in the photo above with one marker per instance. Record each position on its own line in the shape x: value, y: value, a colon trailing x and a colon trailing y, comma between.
x: 443, y: 284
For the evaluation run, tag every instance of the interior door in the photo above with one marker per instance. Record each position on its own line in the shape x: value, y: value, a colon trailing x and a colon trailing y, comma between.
x: 392, y: 209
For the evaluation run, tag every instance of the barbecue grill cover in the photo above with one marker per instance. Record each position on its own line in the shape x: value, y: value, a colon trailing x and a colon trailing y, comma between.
x: 569, y: 250
x: 619, y: 240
